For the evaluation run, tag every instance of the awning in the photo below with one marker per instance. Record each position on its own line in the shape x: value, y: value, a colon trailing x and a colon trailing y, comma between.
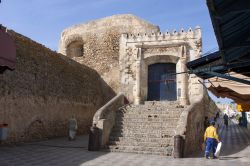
x: 231, y: 23
x: 7, y: 51
x: 237, y: 91
x: 243, y: 107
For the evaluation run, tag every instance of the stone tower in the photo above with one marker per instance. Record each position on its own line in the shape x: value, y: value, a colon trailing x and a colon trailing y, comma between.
x: 96, y: 43
x: 123, y: 48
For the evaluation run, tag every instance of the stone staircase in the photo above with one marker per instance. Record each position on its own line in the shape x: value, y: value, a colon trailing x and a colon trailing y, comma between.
x: 146, y: 129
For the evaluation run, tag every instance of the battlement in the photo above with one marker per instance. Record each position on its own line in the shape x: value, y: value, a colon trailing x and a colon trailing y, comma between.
x: 174, y: 35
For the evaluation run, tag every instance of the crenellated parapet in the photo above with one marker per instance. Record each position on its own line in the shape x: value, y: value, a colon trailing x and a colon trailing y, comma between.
x: 140, y: 50
x: 173, y: 35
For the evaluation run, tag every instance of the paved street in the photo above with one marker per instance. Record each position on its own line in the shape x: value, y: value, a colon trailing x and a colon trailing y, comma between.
x: 61, y: 152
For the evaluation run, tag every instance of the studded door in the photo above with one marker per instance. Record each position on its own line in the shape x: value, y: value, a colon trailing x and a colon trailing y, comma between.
x: 162, y: 82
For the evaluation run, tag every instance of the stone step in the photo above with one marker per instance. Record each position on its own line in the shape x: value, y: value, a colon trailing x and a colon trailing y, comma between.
x: 167, y: 151
x: 158, y: 134
x: 155, y: 104
x: 142, y: 131
x: 133, y: 151
x: 147, y: 110
x: 152, y: 107
x: 144, y: 120
x: 155, y: 129
x: 133, y: 132
x: 120, y: 127
x: 144, y: 144
x: 150, y: 128
x: 128, y: 139
x: 141, y: 139
x: 146, y: 124
x: 150, y: 110
x: 149, y: 115
x: 144, y: 135
x: 160, y: 103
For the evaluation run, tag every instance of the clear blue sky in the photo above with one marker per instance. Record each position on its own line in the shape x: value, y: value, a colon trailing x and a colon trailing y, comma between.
x: 44, y: 20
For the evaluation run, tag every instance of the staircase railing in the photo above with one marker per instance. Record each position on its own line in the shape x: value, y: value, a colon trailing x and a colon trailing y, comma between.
x: 104, y: 118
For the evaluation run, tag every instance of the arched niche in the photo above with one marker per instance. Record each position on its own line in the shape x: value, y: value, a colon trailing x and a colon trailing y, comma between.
x: 75, y: 49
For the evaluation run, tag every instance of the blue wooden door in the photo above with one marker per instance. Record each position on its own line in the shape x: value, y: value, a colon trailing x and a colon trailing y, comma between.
x: 162, y: 82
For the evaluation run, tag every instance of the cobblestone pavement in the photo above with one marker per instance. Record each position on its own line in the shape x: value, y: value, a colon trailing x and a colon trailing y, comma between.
x: 61, y: 152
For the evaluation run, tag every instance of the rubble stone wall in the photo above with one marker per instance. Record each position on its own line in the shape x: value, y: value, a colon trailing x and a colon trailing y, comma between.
x: 45, y: 90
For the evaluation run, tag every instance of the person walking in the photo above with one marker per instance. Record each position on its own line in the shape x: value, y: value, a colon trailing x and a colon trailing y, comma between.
x: 225, y: 117
x: 72, y: 128
x: 211, y: 139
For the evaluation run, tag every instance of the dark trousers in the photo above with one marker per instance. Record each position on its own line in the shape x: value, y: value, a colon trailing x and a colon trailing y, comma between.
x: 211, y: 144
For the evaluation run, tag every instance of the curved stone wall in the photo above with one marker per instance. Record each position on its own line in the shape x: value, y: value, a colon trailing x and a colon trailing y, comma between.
x: 100, y: 39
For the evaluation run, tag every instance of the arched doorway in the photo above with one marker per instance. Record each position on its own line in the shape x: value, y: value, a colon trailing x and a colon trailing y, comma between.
x: 161, y: 82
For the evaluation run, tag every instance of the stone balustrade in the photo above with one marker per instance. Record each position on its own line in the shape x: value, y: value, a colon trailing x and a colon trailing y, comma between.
x: 104, y: 118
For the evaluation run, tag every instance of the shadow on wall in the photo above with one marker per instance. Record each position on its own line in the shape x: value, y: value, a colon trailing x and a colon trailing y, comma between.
x: 45, y: 90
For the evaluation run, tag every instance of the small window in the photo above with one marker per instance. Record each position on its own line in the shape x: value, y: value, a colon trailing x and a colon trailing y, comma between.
x: 75, y: 49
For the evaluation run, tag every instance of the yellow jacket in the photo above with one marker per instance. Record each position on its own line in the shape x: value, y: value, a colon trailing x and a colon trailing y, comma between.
x: 211, y: 133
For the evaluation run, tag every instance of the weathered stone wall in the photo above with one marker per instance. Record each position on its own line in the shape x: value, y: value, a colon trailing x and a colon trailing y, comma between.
x: 100, y: 43
x: 191, y: 123
x: 45, y: 90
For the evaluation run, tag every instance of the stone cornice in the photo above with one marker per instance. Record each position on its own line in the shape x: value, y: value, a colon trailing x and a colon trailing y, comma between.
x: 161, y: 45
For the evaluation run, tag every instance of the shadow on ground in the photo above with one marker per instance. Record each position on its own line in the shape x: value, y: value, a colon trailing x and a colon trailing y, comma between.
x: 54, y: 152
x: 235, y: 139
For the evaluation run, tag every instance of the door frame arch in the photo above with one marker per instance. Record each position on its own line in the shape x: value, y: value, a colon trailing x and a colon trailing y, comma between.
x: 153, y: 60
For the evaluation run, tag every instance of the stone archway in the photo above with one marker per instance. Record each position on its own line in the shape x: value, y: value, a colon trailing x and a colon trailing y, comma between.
x: 145, y: 65
x: 36, y: 130
x: 137, y: 52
